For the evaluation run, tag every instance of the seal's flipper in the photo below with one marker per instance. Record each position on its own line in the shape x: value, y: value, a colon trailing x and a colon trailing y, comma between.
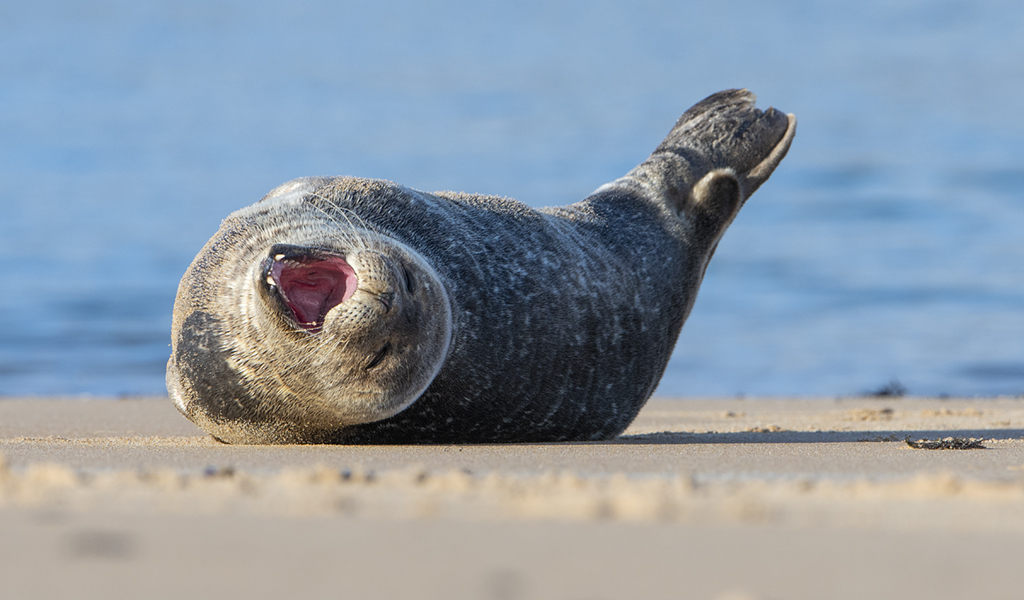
x: 714, y: 201
x: 760, y: 173
x: 726, y: 130
x: 714, y: 158
x: 723, y: 131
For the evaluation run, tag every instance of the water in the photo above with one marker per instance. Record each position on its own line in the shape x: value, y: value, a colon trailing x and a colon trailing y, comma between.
x: 886, y: 247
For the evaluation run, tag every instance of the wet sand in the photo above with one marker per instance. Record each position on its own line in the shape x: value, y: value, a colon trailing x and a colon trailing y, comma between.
x: 716, y: 499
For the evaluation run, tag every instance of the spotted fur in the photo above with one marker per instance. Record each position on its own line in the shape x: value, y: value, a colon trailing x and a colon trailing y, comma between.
x: 545, y: 325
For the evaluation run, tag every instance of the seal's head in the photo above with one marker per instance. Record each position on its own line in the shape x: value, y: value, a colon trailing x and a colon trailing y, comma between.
x: 295, y: 321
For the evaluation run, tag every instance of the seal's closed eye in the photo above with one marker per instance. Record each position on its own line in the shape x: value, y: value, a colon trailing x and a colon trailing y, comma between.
x: 409, y: 281
x: 378, y: 357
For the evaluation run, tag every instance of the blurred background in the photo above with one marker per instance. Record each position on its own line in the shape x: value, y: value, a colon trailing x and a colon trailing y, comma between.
x: 884, y: 254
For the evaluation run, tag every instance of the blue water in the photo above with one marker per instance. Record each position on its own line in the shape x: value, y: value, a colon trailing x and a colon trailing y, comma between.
x: 887, y: 247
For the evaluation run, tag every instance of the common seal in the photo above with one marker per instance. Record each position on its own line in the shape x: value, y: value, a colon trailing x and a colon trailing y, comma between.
x: 345, y: 310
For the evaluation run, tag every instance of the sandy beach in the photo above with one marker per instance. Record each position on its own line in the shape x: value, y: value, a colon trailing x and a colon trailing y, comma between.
x: 701, y: 498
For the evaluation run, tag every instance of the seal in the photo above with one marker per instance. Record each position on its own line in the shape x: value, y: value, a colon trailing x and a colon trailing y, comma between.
x: 347, y: 310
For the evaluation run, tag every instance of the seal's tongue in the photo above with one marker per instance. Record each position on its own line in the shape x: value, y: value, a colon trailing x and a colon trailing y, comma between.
x: 313, y: 285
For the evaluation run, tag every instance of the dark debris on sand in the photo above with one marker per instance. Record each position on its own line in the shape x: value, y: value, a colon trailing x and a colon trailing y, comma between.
x: 950, y: 443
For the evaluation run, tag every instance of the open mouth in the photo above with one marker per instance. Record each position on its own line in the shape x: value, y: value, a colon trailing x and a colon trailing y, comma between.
x: 310, y: 281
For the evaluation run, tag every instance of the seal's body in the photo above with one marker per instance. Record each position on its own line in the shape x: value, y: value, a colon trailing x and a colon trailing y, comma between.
x: 343, y: 310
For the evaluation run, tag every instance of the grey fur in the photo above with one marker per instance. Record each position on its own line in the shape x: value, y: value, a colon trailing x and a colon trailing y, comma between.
x: 552, y: 324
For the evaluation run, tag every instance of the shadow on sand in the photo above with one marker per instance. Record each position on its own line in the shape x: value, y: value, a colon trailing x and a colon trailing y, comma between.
x: 813, y: 437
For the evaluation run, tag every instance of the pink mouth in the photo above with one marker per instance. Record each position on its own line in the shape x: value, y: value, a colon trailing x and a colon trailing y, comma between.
x: 312, y: 285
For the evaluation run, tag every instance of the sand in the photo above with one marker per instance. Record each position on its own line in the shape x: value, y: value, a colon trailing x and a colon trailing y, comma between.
x: 717, y: 499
